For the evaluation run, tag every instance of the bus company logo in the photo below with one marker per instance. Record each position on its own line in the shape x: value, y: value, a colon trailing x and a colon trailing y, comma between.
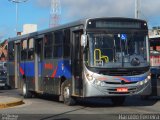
x: 48, y: 66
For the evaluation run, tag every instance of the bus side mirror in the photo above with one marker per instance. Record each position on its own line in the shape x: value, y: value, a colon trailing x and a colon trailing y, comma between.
x: 83, y: 40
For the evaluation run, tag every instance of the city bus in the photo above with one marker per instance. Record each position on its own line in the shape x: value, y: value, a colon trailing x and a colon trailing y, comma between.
x: 155, y: 64
x: 90, y: 58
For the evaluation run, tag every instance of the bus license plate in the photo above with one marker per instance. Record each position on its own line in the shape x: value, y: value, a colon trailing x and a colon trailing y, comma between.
x: 122, y: 89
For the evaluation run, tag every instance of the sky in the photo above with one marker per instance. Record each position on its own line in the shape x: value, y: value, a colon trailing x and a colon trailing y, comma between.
x: 38, y: 12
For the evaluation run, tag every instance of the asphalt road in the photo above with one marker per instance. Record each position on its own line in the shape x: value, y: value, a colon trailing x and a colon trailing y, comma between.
x: 48, y: 108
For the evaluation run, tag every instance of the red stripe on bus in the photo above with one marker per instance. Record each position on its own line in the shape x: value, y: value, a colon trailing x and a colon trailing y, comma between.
x: 21, y: 71
x: 54, y: 73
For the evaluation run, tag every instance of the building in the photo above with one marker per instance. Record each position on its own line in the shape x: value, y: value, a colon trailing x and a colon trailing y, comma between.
x: 29, y: 28
x: 3, y: 51
x: 155, y: 31
x: 154, y: 38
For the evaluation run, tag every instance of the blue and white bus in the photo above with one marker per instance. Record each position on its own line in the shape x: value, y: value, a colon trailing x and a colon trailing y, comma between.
x: 97, y: 57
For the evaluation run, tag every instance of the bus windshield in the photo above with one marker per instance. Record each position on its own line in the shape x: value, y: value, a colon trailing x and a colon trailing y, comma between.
x: 117, y: 50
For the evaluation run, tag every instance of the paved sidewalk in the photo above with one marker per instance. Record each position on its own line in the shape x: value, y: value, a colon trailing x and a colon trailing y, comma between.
x: 6, y: 101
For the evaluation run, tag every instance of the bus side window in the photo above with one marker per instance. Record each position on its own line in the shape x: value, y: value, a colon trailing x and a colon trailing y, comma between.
x: 58, y: 51
x: 48, y: 49
x: 31, y: 49
x: 24, y: 50
x: 66, y: 43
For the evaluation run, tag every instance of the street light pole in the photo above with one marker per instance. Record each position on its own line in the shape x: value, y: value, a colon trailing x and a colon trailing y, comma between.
x: 16, y: 29
x: 16, y: 2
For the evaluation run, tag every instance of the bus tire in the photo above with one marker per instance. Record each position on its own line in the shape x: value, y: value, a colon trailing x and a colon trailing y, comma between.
x: 119, y: 100
x: 66, y: 93
x: 26, y: 92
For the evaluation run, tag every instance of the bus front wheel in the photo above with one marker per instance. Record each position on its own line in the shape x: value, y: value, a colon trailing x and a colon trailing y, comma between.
x: 26, y: 92
x: 119, y: 100
x: 67, y: 98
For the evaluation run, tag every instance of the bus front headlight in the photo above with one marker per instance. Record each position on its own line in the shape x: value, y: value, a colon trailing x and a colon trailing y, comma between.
x: 90, y: 77
x: 97, y: 82
x: 149, y: 77
x: 93, y: 80
x: 141, y: 83
x: 145, y: 81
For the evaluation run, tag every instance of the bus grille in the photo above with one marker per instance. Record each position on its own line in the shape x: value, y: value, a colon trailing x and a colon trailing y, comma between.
x: 119, y: 83
x: 122, y: 72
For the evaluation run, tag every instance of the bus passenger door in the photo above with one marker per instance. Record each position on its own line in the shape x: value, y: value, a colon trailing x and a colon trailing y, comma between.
x: 38, y: 63
x: 18, y: 81
x: 77, y: 63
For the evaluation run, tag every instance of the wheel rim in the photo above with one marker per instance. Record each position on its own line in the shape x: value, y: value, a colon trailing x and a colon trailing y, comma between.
x: 66, y: 92
x: 24, y: 89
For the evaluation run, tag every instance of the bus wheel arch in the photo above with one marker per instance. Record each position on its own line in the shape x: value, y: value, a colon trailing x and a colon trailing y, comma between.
x: 66, y: 93
x: 62, y: 79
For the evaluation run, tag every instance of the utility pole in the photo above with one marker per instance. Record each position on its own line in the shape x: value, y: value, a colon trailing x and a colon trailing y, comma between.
x: 17, y: 2
x: 55, y: 13
x: 137, y: 8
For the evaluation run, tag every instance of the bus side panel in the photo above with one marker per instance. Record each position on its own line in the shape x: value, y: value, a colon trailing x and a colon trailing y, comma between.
x: 63, y: 70
x: 53, y: 71
x: 51, y: 82
x: 57, y: 78
x: 11, y: 74
x: 27, y: 73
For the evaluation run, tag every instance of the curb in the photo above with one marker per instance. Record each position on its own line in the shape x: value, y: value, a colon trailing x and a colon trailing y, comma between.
x: 11, y: 104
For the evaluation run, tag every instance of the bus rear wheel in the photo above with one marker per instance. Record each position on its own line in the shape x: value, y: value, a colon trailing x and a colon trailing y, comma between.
x: 67, y: 98
x: 26, y: 92
x: 119, y: 100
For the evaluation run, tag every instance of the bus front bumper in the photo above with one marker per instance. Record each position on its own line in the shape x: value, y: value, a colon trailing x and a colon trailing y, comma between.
x: 91, y: 90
